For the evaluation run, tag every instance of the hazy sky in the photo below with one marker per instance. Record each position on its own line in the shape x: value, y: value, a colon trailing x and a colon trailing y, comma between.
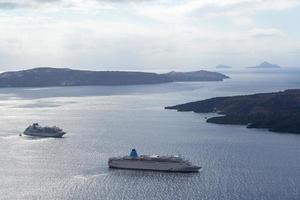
x: 148, y: 34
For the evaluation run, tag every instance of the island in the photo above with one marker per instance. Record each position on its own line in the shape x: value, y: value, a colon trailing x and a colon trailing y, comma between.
x: 221, y: 66
x: 277, y: 112
x: 266, y: 65
x: 201, y: 75
x: 47, y: 77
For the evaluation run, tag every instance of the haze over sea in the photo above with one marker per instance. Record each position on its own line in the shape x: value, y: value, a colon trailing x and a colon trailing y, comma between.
x: 105, y: 121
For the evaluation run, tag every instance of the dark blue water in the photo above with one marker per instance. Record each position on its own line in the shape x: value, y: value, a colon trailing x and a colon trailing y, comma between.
x: 238, y: 163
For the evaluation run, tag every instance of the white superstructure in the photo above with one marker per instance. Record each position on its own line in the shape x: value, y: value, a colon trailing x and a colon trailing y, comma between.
x: 37, y: 130
x: 154, y: 162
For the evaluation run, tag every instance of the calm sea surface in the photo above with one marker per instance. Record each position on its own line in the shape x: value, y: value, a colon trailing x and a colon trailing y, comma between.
x: 238, y: 163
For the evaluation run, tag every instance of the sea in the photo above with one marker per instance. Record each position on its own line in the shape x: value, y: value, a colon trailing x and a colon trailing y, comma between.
x: 107, y: 121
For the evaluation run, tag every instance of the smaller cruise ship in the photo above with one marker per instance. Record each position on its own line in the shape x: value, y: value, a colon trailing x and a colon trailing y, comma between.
x: 37, y: 130
x: 153, y: 163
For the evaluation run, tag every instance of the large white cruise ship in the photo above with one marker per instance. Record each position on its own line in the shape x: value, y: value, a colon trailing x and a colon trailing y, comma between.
x: 154, y: 163
x: 37, y: 130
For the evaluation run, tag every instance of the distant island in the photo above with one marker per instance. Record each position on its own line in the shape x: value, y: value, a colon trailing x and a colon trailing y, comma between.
x: 266, y: 65
x: 223, y: 67
x: 47, y: 77
x: 277, y: 112
x: 201, y: 75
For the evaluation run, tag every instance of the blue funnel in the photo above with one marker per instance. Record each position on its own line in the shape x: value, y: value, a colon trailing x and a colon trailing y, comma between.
x: 133, y: 153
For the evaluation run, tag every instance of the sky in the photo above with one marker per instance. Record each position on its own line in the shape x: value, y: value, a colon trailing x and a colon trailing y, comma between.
x: 148, y: 34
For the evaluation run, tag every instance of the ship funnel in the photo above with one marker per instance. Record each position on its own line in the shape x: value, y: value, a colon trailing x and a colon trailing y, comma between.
x: 133, y: 153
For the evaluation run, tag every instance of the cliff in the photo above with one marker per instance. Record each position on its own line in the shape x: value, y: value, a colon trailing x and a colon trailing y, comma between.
x: 278, y: 112
x: 46, y: 77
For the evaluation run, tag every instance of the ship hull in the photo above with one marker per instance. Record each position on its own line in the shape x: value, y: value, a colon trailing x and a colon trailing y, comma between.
x: 153, y: 166
x: 42, y: 134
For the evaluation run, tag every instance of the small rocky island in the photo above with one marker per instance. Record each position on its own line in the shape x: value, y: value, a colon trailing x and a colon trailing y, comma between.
x: 266, y: 65
x: 47, y: 77
x: 277, y: 112
x: 221, y: 66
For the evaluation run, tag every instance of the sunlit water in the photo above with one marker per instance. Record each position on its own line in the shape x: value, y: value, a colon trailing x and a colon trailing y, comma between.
x: 238, y: 163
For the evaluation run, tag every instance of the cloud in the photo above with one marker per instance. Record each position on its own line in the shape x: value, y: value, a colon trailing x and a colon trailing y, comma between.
x: 17, y: 4
x: 135, y: 33
x: 270, y: 32
x: 169, y: 9
x: 11, y: 5
x: 46, y: 1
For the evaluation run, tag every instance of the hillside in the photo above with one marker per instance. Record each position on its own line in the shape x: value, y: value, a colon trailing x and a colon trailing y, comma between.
x: 45, y: 77
x: 278, y: 112
x: 201, y: 75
